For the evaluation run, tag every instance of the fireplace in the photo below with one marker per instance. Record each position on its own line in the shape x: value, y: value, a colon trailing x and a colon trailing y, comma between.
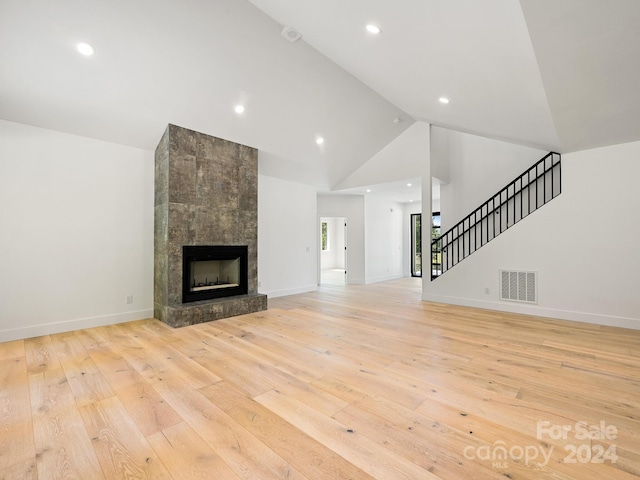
x: 206, y: 229
x: 213, y: 271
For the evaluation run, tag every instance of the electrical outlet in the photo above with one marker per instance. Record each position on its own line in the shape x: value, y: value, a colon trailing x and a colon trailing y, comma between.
x: 129, y: 300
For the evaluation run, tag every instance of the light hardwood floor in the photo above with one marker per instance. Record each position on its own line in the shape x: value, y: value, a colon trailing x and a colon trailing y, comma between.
x: 353, y: 382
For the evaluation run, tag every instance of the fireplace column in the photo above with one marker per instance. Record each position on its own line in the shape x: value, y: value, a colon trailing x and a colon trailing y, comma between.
x: 205, y: 194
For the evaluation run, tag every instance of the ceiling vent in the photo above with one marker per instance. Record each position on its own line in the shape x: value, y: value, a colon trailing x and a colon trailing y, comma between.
x: 291, y: 34
x: 518, y: 286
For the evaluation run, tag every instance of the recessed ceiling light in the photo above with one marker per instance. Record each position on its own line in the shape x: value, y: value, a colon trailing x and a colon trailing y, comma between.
x: 85, y: 49
x: 444, y: 100
x: 374, y: 29
x: 319, y: 140
x: 239, y: 109
x: 408, y: 184
x: 368, y: 190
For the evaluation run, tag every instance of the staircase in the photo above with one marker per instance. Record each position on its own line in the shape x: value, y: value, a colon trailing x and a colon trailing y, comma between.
x: 524, y: 195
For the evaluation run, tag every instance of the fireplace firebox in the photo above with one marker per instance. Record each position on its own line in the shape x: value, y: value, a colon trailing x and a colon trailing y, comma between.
x: 213, y: 271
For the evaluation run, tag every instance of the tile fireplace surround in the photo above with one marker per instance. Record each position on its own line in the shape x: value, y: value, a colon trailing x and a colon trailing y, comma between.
x: 206, y: 193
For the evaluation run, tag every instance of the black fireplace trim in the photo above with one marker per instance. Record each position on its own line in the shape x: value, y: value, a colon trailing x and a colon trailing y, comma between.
x: 192, y: 253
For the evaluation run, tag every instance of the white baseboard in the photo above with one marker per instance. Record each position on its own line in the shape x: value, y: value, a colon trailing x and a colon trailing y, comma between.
x: 292, y: 291
x: 384, y: 278
x: 69, y: 325
x: 593, y: 318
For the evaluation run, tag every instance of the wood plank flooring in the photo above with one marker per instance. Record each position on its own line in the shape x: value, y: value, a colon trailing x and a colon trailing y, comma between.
x: 350, y: 382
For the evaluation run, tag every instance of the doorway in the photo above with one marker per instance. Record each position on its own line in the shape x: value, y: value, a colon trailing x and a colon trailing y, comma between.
x: 333, y: 250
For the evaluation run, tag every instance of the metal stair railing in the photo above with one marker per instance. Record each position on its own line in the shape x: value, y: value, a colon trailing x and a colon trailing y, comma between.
x: 529, y: 191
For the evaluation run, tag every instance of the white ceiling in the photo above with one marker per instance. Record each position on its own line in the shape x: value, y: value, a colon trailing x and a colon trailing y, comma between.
x: 554, y: 74
x: 476, y: 53
x: 407, y: 190
x: 588, y: 52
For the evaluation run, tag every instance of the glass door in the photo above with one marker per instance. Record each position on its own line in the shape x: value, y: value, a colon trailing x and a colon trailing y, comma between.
x: 416, y: 245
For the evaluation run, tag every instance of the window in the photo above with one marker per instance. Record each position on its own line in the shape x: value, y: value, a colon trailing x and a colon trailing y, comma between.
x: 325, y: 236
x: 416, y: 245
x: 436, y: 253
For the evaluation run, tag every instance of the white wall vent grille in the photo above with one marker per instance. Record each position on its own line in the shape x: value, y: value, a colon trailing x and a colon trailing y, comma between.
x: 519, y: 286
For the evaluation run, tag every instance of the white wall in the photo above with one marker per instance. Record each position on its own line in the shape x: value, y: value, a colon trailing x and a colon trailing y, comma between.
x: 440, y: 153
x: 478, y: 167
x: 583, y: 244
x: 77, y: 229
x: 77, y: 232
x: 287, y: 237
x: 402, y: 158
x: 339, y: 242
x: 375, y: 235
x: 352, y: 208
x: 383, y: 239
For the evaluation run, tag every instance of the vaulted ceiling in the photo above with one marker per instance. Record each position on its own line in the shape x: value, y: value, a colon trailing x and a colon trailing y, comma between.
x: 555, y: 74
